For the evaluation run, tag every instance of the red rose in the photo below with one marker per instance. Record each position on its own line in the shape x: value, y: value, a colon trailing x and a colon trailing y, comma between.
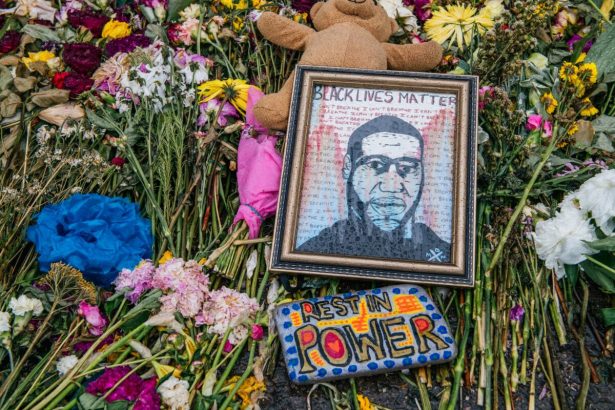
x: 86, y: 18
x: 10, y: 41
x: 82, y: 57
x: 77, y: 83
x: 58, y: 79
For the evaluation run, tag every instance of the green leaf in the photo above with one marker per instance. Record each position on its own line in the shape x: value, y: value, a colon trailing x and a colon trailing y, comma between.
x: 119, y: 405
x: 134, y: 322
x: 608, y: 316
x: 599, y: 276
x: 572, y: 273
x: 606, y: 244
x: 100, y: 121
x: 604, y: 123
x: 175, y: 6
x: 113, y: 303
x: 199, y: 402
x: 602, y: 52
x: 88, y: 401
x: 41, y: 32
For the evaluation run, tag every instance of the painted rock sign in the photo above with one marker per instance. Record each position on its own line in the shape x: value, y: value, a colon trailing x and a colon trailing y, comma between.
x: 362, y: 333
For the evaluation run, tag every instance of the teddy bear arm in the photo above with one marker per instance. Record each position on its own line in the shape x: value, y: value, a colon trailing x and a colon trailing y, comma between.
x: 413, y: 57
x: 282, y: 31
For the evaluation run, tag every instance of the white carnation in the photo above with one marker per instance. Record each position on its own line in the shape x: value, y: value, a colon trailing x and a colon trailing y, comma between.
x: 597, y: 195
x: 66, y: 363
x: 23, y: 305
x: 174, y: 393
x: 560, y: 240
x: 5, y: 322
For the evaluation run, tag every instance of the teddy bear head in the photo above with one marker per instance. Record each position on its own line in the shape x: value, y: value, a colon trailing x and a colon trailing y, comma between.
x: 364, y: 13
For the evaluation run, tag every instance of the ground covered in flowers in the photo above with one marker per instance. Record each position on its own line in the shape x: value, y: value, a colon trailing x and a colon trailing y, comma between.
x: 134, y: 241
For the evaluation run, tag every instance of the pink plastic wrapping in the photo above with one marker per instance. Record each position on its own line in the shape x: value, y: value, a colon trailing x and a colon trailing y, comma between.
x: 259, y: 166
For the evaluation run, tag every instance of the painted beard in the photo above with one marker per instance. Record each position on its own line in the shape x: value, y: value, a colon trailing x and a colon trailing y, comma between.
x: 387, y: 214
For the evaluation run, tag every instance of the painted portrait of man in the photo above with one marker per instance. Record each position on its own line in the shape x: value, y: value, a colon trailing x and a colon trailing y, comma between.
x: 384, y: 175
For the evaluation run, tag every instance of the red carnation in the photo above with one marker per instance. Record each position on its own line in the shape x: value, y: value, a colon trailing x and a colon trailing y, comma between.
x: 118, y: 161
x: 82, y: 57
x: 58, y: 79
x: 76, y: 83
x: 10, y: 41
x: 88, y: 19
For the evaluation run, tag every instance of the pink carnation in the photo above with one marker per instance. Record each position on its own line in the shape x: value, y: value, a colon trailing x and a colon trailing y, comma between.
x: 228, y: 308
x: 139, y: 280
x: 536, y: 122
x: 91, y: 313
x: 133, y: 388
x: 185, y: 285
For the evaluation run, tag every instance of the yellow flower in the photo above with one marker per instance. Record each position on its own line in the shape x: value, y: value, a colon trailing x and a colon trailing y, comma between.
x: 588, y: 72
x: 588, y: 108
x: 574, y: 127
x: 458, y: 23
x: 247, y: 389
x: 202, y: 261
x: 166, y: 256
x: 241, y: 4
x: 568, y: 72
x: 237, y: 24
x: 164, y: 369
x: 235, y: 92
x: 116, y: 29
x: 42, y: 56
x: 364, y: 403
x: 549, y: 101
x: 300, y: 17
x: 581, y: 58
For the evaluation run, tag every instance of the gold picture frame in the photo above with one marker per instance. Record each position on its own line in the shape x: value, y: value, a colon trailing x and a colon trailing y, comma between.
x: 446, y: 105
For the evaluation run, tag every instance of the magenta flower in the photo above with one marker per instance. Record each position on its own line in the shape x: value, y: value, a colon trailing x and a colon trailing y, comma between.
x: 88, y: 19
x: 575, y: 39
x: 228, y: 347
x: 422, y: 9
x: 9, y: 41
x: 126, y: 44
x: 303, y: 6
x: 484, y: 93
x: 76, y: 83
x: 133, y: 388
x: 536, y: 122
x: 517, y: 312
x: 257, y: 332
x: 138, y: 280
x: 91, y: 313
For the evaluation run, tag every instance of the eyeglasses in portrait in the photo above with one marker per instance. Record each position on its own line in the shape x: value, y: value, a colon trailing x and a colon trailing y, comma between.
x: 378, y: 179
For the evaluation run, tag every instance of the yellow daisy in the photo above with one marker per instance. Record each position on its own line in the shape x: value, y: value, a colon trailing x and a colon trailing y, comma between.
x: 364, y: 403
x: 588, y: 73
x: 588, y: 108
x: 549, y: 102
x: 457, y: 23
x: 574, y: 127
x: 568, y: 72
x: 234, y: 90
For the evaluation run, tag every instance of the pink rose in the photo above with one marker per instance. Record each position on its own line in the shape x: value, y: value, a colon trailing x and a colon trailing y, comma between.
x: 228, y: 347
x: 257, y: 332
x: 91, y: 313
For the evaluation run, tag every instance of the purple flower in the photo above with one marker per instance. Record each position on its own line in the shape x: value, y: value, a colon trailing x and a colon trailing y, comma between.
x: 133, y: 388
x: 517, y: 312
x: 212, y: 106
x: 77, y: 83
x: 576, y: 38
x: 303, y: 6
x: 422, y: 11
x: 9, y: 41
x: 88, y: 19
x: 83, y: 58
x: 126, y: 44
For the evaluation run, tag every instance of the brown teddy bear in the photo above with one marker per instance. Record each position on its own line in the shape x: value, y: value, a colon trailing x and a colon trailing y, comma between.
x: 349, y: 33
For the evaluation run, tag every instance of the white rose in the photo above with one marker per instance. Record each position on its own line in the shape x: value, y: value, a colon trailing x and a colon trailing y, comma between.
x: 23, y: 305
x: 597, y: 195
x: 561, y: 240
x: 66, y: 363
x: 5, y: 322
x: 174, y: 393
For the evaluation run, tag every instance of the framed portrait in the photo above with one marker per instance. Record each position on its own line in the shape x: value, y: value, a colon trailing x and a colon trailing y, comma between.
x: 379, y: 177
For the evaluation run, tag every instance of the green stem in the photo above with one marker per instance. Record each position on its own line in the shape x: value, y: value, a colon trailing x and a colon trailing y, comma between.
x: 459, y: 362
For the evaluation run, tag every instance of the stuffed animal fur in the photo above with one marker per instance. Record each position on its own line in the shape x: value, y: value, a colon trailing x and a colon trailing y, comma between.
x: 349, y: 33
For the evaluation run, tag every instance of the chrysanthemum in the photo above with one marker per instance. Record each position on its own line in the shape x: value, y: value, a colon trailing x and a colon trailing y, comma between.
x: 458, y: 23
x: 573, y: 128
x: 588, y: 73
x: 234, y: 91
x: 588, y: 108
x: 549, y: 102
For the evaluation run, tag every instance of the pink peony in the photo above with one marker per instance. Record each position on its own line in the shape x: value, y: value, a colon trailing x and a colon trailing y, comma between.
x: 96, y: 321
x: 185, y: 285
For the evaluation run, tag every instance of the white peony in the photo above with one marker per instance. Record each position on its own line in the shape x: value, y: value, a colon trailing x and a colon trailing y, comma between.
x: 5, y: 322
x: 597, y: 195
x: 560, y: 240
x: 24, y: 305
x: 66, y: 363
x: 174, y: 393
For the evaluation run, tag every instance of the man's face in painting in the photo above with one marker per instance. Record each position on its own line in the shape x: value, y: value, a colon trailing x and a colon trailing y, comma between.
x: 385, y: 179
